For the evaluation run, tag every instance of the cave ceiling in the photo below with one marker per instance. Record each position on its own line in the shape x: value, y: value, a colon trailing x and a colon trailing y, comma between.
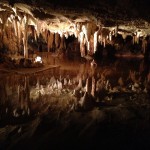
x: 72, y: 16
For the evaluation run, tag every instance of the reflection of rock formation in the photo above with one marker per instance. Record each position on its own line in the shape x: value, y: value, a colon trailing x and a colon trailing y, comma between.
x: 79, y: 91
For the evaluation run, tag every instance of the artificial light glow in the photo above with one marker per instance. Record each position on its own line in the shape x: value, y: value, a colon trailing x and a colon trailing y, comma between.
x: 38, y: 59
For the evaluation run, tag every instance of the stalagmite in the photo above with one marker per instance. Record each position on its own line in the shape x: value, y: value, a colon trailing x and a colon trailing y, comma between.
x: 59, y: 85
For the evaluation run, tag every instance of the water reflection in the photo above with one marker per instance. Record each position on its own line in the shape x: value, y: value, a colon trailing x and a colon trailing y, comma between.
x: 85, y: 87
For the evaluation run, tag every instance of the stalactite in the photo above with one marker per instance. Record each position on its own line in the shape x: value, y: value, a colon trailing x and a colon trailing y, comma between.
x: 4, y: 19
x: 15, y: 27
x: 25, y: 38
x: 87, y: 85
x: 76, y: 33
x: 133, y: 39
x: 104, y: 42
x: 82, y: 46
x: 43, y: 34
x: 116, y: 31
x: 124, y: 35
x: 88, y: 46
x: 57, y: 40
x: 46, y: 35
x: 110, y: 36
x: 50, y: 40
x: 38, y: 28
x: 62, y: 43
x: 101, y: 39
x: 35, y: 35
x: 136, y: 39
x: 95, y: 41
x: 19, y: 34
x: 91, y: 45
x: 85, y: 32
x: 82, y: 49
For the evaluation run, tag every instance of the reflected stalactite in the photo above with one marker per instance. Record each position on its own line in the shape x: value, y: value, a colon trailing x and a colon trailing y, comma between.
x: 27, y: 94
